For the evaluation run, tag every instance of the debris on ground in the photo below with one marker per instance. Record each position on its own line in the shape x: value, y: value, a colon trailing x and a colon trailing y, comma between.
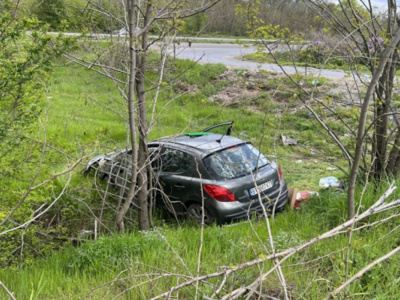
x: 342, y: 185
x: 182, y: 87
x: 288, y: 141
x: 244, y: 85
x: 296, y: 197
x: 313, y: 150
x: 330, y: 181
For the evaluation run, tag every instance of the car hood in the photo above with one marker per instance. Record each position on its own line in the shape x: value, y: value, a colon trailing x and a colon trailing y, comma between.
x: 102, y: 157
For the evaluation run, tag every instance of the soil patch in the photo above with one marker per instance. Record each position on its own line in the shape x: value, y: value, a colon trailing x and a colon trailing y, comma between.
x: 249, y: 85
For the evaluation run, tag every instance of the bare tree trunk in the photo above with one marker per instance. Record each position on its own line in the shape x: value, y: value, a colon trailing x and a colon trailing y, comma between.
x: 383, y: 105
x: 381, y: 126
x: 393, y: 166
x: 363, y: 118
x: 143, y: 165
x: 132, y: 118
x: 382, y: 164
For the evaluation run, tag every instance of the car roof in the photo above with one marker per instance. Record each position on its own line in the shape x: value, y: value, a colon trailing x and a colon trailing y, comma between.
x: 203, y: 142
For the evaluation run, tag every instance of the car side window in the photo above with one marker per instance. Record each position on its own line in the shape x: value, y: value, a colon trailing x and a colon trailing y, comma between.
x: 175, y: 161
x: 155, y: 158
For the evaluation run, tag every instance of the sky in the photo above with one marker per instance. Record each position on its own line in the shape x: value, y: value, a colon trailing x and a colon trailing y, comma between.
x: 381, y: 4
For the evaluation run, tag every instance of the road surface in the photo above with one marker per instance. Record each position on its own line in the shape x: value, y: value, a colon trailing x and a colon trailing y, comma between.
x: 228, y: 54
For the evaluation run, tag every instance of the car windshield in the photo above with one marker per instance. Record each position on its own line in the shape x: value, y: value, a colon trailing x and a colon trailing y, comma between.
x: 235, y: 161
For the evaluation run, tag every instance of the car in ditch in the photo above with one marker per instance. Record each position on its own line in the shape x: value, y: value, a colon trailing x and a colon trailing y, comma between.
x: 204, y: 174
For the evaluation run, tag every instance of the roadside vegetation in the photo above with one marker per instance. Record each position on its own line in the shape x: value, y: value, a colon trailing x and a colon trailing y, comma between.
x: 145, y: 264
x: 303, y: 57
x: 74, y: 273
x: 62, y: 235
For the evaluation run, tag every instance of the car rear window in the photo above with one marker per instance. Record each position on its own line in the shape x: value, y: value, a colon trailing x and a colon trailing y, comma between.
x: 234, y: 162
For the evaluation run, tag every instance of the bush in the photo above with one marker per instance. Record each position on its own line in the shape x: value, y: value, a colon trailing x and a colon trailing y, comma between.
x: 51, y: 12
x: 316, y: 52
x: 319, y: 52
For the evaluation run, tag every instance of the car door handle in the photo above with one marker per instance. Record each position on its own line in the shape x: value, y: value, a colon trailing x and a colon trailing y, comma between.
x: 179, y: 186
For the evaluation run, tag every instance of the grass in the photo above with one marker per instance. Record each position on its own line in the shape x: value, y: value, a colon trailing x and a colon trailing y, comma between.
x: 82, y: 120
x: 286, y: 59
x: 125, y: 261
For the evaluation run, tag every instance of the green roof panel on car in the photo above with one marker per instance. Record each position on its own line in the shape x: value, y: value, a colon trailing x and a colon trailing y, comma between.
x: 194, y: 134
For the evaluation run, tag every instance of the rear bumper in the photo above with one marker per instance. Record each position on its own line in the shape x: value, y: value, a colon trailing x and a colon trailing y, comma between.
x: 227, y: 212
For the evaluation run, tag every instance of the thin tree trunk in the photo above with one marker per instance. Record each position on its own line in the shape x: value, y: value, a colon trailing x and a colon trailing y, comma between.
x: 132, y: 118
x: 143, y: 165
x: 381, y: 125
x: 361, y: 126
x: 393, y: 165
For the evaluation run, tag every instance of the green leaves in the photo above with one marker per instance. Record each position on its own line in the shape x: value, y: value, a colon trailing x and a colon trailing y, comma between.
x: 271, y: 31
x: 51, y: 12
x: 26, y: 56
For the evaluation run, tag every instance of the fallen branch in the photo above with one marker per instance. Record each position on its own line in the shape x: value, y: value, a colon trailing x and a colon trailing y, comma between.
x: 362, y: 272
x: 27, y: 223
x: 377, y: 207
x: 32, y: 188
x: 7, y: 290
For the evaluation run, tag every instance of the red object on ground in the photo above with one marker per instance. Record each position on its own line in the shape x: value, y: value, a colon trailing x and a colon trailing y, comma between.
x: 301, y: 196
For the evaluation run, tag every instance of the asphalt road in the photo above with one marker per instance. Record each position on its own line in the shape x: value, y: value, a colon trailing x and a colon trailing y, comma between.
x: 228, y: 54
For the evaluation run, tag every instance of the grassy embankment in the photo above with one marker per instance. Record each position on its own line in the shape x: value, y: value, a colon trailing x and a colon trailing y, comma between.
x: 145, y: 261
x: 287, y: 59
x: 81, y: 126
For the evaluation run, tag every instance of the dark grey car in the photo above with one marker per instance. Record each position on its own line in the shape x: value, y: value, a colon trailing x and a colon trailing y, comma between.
x: 227, y: 176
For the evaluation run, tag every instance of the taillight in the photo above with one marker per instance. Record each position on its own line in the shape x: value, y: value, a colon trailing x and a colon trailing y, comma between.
x: 280, y: 173
x: 219, y: 193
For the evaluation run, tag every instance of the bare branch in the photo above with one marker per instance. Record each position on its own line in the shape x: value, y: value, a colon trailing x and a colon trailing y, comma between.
x: 27, y: 223
x: 359, y: 274
x: 32, y: 188
x: 377, y: 207
x: 7, y: 291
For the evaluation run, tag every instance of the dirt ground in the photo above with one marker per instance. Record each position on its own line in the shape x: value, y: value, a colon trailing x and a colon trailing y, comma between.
x: 244, y: 85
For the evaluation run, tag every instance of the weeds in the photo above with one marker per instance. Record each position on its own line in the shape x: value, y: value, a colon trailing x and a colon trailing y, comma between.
x: 83, y: 120
x: 173, y: 250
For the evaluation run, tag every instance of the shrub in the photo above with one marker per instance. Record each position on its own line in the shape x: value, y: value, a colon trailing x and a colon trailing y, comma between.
x: 315, y: 52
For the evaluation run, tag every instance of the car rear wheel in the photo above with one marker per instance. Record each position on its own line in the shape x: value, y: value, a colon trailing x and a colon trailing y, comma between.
x: 280, y: 209
x: 195, y: 212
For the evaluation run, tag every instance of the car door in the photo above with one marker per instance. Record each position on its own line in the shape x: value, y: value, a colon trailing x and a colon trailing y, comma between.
x: 175, y: 176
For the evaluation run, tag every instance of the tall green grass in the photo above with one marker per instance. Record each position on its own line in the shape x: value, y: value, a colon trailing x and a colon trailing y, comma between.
x: 146, y: 260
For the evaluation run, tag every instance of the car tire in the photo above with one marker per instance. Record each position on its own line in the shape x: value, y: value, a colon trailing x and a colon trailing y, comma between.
x: 194, y: 213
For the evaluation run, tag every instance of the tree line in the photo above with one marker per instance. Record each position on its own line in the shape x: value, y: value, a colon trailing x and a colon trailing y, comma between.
x: 229, y: 17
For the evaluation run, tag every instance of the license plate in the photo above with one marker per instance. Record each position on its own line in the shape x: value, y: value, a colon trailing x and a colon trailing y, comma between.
x: 261, y: 188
